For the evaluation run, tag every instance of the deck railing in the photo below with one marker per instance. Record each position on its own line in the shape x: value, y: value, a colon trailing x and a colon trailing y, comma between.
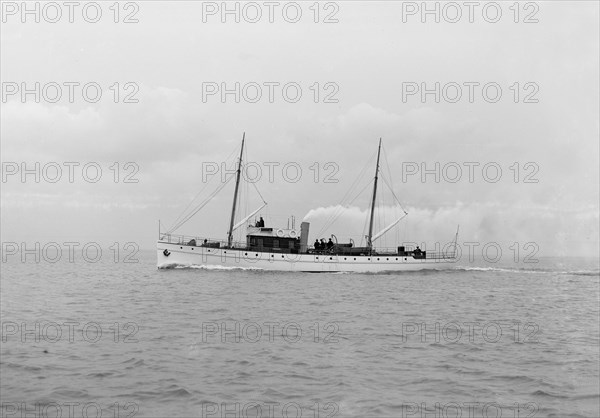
x: 198, y: 241
x: 409, y: 251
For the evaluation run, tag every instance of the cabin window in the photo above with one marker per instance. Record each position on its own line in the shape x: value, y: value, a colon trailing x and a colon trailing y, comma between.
x: 275, y: 243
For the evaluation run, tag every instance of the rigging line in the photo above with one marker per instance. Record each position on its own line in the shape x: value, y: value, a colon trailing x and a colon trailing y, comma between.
x: 356, y: 181
x: 244, y: 165
x: 179, y: 221
x: 379, y: 204
x: 198, y: 194
x: 341, y: 209
x: 389, y: 181
x: 361, y: 192
x: 246, y: 200
x: 190, y: 204
x: 385, y: 181
x: 247, y: 186
x: 188, y: 217
x: 360, y: 175
x: 364, y: 230
x: 257, y: 191
x: 346, y: 196
x: 387, y: 164
x: 383, y: 202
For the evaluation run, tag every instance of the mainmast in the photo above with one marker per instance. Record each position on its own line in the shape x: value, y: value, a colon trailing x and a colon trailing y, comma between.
x: 235, y: 195
x: 369, y: 243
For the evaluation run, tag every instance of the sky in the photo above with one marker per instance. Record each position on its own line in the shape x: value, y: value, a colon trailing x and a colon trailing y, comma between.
x: 488, y: 118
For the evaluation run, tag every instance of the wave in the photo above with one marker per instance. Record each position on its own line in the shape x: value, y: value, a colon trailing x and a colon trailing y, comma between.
x: 176, y: 266
x: 584, y: 273
x: 498, y: 269
x: 588, y: 273
x: 530, y: 270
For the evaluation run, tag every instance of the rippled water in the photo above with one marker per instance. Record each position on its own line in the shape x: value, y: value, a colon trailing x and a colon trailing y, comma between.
x: 130, y: 339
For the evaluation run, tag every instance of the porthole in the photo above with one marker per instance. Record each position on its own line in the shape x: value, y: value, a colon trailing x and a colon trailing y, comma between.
x: 181, y: 248
x: 331, y: 258
x: 354, y: 258
x: 404, y: 258
x: 244, y: 253
x: 377, y: 258
x: 272, y: 255
x: 281, y: 256
x: 344, y: 258
x: 396, y: 258
x: 257, y: 255
x: 387, y: 259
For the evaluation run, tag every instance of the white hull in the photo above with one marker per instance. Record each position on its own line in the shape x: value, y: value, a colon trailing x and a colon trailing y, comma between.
x: 185, y: 255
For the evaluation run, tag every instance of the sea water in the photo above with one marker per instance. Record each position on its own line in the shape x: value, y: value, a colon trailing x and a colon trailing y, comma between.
x: 126, y: 339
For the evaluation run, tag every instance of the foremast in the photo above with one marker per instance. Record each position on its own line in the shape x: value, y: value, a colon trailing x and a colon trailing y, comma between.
x: 235, y: 195
x: 369, y: 242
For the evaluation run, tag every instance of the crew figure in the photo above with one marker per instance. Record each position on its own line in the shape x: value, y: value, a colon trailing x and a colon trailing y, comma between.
x: 323, y: 244
x: 261, y: 222
x: 317, y: 244
x: 329, y: 244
